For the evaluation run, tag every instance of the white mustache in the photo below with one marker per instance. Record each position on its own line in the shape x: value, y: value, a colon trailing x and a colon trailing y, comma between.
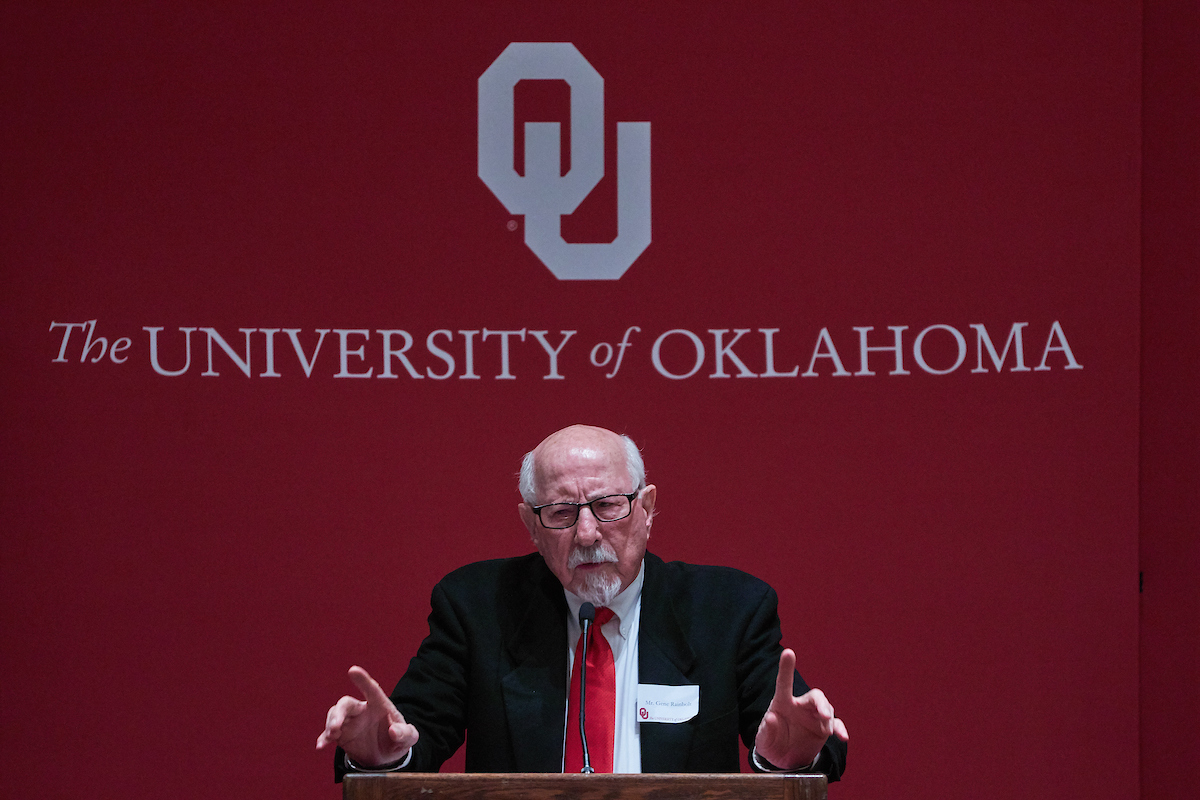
x: 599, y: 553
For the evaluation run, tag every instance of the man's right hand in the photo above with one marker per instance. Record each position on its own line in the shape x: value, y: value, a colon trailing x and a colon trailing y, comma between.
x: 371, y: 731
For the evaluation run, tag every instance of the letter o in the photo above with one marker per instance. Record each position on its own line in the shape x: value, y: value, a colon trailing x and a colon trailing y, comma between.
x: 699, y: 345
x: 597, y: 362
x: 920, y: 358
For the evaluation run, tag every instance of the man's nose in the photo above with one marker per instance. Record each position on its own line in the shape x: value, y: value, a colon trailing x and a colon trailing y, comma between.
x: 587, y: 529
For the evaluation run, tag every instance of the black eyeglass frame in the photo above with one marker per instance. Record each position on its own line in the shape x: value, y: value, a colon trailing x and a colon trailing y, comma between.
x: 628, y: 496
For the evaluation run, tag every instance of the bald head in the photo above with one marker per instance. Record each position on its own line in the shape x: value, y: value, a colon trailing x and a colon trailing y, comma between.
x: 577, y: 441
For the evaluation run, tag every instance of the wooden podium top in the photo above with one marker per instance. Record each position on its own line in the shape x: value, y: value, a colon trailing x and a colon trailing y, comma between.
x: 542, y: 786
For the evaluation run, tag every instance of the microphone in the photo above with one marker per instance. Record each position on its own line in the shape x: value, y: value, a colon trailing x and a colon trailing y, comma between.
x: 587, y: 615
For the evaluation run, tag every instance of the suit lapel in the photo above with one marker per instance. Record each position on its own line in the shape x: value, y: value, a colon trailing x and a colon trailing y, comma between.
x: 664, y: 657
x: 535, y: 686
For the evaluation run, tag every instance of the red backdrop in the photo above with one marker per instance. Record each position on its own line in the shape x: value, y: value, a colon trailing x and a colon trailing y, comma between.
x: 1170, y: 408
x: 191, y: 561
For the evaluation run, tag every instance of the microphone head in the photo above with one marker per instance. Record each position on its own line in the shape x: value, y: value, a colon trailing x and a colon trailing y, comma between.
x: 587, y: 611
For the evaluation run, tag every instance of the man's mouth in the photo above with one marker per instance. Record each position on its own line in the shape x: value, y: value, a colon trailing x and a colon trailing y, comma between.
x: 590, y: 558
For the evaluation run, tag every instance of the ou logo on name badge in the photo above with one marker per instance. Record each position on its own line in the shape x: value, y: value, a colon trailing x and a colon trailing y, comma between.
x: 542, y: 195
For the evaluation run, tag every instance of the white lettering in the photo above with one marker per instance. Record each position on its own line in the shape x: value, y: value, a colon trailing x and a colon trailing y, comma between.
x: 305, y: 362
x: 982, y: 340
x: 598, y: 361
x: 469, y: 372
x: 270, y: 372
x: 1056, y: 332
x: 345, y: 353
x: 723, y: 351
x: 669, y: 357
x: 244, y: 366
x: 390, y: 352
x: 70, y: 327
x: 552, y: 351
x: 769, y: 337
x: 607, y: 349
x: 119, y: 346
x: 696, y: 343
x: 187, y: 339
x: 919, y: 355
x: 442, y: 354
x: 830, y: 352
x: 897, y: 347
x: 504, y: 373
x: 621, y: 348
x: 89, y: 343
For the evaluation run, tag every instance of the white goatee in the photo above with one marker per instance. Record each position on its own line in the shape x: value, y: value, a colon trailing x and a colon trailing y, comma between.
x: 598, y: 589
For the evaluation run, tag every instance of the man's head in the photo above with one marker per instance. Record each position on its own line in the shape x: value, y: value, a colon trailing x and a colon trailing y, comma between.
x: 592, y: 558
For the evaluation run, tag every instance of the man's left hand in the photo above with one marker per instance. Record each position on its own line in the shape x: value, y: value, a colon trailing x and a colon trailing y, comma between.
x: 794, y: 729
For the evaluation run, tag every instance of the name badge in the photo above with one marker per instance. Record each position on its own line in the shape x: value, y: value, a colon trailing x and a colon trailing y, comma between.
x: 667, y: 703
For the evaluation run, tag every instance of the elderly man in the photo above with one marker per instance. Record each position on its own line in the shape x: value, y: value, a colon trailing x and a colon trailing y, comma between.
x: 681, y: 659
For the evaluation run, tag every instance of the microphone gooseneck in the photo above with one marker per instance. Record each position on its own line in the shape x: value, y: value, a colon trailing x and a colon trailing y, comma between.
x: 587, y: 615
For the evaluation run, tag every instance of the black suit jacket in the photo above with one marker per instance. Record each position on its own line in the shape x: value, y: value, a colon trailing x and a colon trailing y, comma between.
x: 494, y: 667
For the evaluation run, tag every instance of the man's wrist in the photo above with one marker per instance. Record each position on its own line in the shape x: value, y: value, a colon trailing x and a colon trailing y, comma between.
x: 766, y: 766
x: 352, y: 766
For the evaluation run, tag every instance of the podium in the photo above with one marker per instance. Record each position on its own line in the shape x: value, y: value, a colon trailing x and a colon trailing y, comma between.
x: 542, y: 786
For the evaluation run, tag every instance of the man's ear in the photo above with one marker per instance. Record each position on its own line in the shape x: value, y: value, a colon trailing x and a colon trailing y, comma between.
x: 529, y: 518
x: 648, y: 498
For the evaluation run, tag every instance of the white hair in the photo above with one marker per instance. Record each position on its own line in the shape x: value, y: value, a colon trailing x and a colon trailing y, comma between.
x: 599, y: 589
x: 633, y: 463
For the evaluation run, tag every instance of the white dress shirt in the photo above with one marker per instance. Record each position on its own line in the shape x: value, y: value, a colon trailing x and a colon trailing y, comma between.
x: 622, y: 635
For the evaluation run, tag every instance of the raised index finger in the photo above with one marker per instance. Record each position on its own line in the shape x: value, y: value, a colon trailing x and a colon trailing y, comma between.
x: 367, y: 685
x: 787, y: 670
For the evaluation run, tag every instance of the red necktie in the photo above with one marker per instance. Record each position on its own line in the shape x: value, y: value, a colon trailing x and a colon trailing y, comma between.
x: 601, y: 701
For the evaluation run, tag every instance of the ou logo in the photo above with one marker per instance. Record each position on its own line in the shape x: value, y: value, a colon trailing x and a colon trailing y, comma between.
x: 542, y: 195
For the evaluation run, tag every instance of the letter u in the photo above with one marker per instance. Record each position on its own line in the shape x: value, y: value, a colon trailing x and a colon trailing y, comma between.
x: 187, y: 337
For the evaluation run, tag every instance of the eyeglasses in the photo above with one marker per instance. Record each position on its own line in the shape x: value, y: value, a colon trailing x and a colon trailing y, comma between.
x: 609, y: 508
